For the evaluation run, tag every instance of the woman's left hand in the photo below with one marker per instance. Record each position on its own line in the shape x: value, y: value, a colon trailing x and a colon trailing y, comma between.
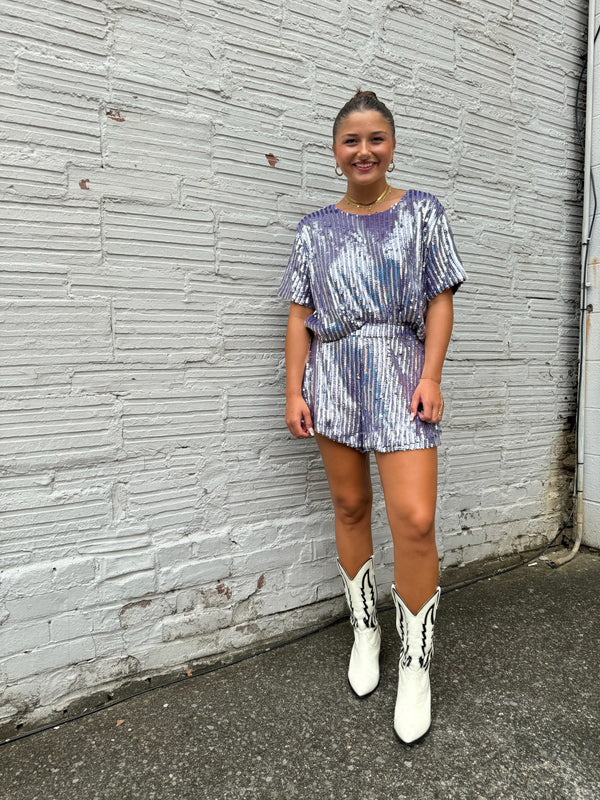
x: 428, y: 395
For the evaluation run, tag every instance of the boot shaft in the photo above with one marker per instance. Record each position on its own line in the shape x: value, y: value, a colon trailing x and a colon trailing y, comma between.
x: 416, y: 630
x: 361, y: 595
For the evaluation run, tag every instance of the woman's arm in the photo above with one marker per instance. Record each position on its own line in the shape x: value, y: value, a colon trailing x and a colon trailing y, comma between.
x: 438, y: 329
x: 297, y: 346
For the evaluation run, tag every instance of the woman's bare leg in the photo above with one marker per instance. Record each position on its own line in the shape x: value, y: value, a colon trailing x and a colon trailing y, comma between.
x: 409, y: 480
x: 350, y: 485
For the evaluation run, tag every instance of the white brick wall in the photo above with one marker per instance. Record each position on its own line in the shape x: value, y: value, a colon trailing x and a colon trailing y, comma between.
x: 153, y: 508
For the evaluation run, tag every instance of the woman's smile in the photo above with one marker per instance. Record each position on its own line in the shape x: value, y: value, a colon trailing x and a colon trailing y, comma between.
x: 364, y: 166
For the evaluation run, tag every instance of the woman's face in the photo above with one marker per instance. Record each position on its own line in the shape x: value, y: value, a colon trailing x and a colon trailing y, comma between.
x: 364, y: 147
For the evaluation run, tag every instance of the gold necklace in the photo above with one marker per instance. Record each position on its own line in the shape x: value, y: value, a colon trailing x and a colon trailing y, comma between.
x: 353, y: 202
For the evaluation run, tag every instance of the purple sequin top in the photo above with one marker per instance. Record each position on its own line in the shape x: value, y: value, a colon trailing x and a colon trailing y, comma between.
x: 383, y: 267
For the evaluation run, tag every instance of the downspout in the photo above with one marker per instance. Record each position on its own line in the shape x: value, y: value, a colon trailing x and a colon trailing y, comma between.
x: 588, y: 189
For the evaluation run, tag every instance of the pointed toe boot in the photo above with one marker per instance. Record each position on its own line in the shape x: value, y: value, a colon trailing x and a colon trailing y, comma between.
x: 361, y: 595
x: 412, y: 715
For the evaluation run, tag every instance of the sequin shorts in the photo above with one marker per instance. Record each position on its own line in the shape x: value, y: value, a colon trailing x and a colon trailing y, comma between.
x: 359, y: 389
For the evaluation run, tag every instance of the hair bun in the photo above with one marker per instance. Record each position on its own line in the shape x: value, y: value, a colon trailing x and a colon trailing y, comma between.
x: 363, y: 95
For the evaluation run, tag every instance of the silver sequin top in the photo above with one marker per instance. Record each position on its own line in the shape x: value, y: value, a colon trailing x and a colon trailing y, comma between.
x: 383, y: 267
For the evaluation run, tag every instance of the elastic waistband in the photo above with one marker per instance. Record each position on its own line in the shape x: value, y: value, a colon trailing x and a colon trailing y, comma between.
x: 384, y: 329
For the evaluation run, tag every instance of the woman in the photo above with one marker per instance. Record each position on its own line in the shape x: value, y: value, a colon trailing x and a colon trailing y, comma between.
x: 370, y: 281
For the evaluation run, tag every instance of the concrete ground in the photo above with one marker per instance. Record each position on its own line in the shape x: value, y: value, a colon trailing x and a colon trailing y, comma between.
x: 516, y: 686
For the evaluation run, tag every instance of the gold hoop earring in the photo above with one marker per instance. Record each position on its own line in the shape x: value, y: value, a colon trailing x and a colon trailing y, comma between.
x: 391, y: 167
x: 340, y: 173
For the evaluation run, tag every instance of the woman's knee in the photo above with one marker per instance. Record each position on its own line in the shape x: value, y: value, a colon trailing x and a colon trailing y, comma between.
x: 416, y: 524
x: 352, y: 508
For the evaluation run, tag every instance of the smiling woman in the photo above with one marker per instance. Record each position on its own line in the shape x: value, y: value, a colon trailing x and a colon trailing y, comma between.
x: 370, y: 281
x: 364, y: 149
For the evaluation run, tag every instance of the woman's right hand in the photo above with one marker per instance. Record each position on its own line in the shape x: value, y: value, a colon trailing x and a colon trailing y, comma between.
x: 297, y: 348
x: 297, y: 417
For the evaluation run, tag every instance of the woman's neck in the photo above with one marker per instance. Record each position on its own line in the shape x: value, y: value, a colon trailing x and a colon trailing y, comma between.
x: 366, y: 194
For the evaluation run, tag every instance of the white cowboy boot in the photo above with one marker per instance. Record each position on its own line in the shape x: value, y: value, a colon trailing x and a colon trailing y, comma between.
x: 412, y: 716
x: 361, y: 594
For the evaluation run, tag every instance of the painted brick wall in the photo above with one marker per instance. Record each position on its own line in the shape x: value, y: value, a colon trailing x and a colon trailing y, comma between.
x: 154, y: 509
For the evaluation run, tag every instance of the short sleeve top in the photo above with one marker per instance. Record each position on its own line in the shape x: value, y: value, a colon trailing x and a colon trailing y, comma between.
x: 383, y: 267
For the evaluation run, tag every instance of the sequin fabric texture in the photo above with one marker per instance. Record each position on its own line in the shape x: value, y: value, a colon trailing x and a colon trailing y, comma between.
x: 368, y: 279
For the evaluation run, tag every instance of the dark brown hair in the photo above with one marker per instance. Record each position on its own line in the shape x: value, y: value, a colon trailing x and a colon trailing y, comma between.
x: 363, y: 101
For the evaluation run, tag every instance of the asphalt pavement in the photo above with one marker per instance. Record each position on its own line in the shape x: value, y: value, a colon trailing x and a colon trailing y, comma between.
x: 516, y: 708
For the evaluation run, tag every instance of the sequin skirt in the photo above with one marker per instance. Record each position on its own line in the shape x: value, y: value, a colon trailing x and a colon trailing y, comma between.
x: 359, y: 389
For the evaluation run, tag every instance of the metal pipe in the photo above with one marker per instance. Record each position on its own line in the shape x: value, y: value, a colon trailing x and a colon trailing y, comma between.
x: 586, y: 237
